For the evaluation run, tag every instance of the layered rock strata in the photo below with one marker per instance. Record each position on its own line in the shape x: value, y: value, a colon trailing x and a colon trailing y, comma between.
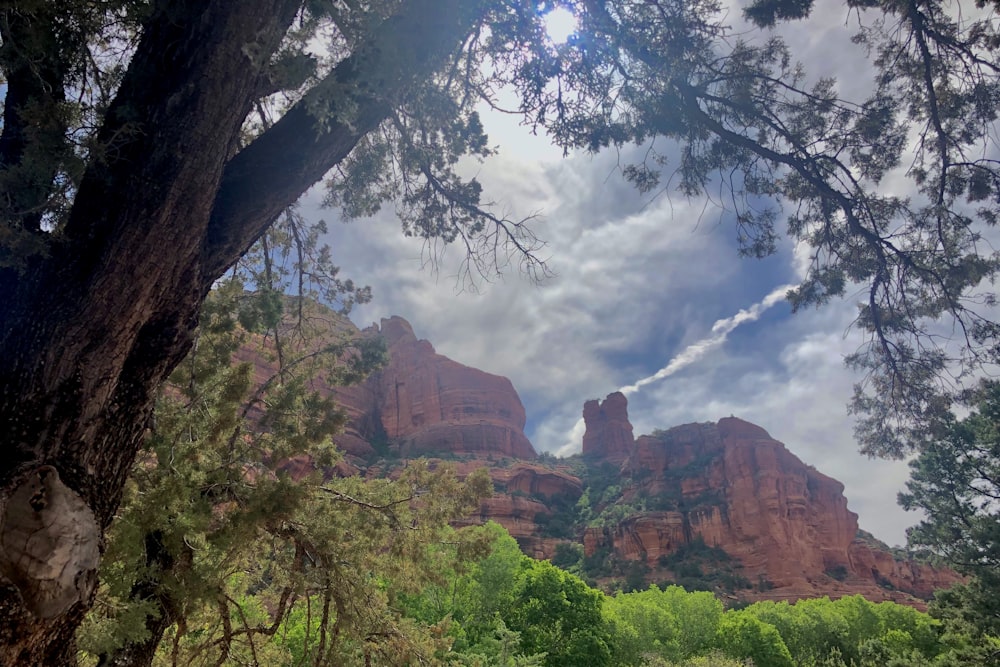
x: 424, y: 403
x: 730, y: 485
x: 609, y: 432
x: 421, y: 403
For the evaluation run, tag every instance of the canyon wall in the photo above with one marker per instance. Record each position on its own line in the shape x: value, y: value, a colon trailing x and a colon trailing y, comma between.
x: 729, y: 485
x: 426, y: 403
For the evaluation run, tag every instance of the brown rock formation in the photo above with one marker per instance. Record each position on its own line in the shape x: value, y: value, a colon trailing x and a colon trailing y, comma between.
x: 523, y: 492
x: 785, y: 526
x: 609, y: 432
x: 420, y: 403
x: 541, y: 482
x: 426, y: 403
x: 730, y: 485
x: 919, y: 579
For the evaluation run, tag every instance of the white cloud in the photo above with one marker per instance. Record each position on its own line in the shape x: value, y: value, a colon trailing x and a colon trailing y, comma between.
x: 628, y: 274
x: 636, y: 278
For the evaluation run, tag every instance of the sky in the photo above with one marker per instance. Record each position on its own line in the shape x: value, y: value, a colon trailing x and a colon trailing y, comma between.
x: 649, y: 295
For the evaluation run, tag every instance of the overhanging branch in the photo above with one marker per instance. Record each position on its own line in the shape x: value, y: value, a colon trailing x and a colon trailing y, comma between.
x: 321, y: 130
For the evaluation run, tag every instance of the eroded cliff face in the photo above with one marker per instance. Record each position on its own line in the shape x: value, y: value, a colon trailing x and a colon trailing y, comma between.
x: 424, y: 403
x: 527, y: 496
x: 730, y: 486
x: 421, y: 403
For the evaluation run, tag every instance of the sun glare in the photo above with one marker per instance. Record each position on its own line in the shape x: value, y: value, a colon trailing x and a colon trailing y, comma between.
x: 560, y: 23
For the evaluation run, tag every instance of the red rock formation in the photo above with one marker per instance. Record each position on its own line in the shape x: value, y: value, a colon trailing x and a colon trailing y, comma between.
x: 734, y: 487
x: 920, y: 579
x: 609, y: 432
x: 427, y: 403
x: 523, y: 492
x: 420, y: 403
x: 728, y: 484
x: 540, y: 482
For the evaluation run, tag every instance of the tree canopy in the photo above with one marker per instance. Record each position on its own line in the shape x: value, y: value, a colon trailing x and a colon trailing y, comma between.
x: 955, y: 481
x: 146, y: 145
x: 658, y: 627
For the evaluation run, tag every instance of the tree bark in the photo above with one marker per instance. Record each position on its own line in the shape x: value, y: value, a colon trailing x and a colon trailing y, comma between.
x: 90, y: 330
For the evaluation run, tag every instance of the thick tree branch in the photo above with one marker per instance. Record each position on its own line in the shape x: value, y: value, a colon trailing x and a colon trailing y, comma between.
x: 322, y: 129
x: 917, y: 21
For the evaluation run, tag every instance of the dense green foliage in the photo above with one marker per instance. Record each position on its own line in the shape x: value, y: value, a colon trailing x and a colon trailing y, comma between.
x: 956, y: 481
x: 234, y: 542
x: 509, y: 610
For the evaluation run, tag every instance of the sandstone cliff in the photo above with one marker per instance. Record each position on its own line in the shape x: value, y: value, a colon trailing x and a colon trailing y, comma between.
x: 420, y: 403
x: 527, y: 497
x: 609, y: 432
x: 425, y: 403
x: 730, y: 487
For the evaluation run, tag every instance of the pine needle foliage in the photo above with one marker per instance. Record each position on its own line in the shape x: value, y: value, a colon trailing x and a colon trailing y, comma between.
x: 234, y: 543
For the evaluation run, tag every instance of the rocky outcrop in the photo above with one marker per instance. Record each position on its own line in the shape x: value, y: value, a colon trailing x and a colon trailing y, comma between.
x: 685, y: 504
x: 919, y: 579
x: 527, y: 496
x: 423, y: 403
x: 540, y: 482
x: 730, y: 486
x: 609, y: 432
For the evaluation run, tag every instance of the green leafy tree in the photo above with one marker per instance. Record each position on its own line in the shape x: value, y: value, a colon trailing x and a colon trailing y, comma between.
x: 742, y: 635
x: 968, y: 614
x: 489, y: 589
x: 698, y: 612
x: 714, y: 659
x: 568, y: 556
x: 956, y: 482
x: 557, y: 614
x: 500, y: 647
x: 807, y: 634
x: 923, y: 632
x: 643, y: 628
x: 851, y: 631
x: 475, y: 603
x: 556, y: 618
x: 147, y: 145
x: 862, y: 623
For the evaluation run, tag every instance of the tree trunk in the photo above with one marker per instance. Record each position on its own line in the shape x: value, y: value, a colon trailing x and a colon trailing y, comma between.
x: 159, y: 561
x: 89, y: 331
